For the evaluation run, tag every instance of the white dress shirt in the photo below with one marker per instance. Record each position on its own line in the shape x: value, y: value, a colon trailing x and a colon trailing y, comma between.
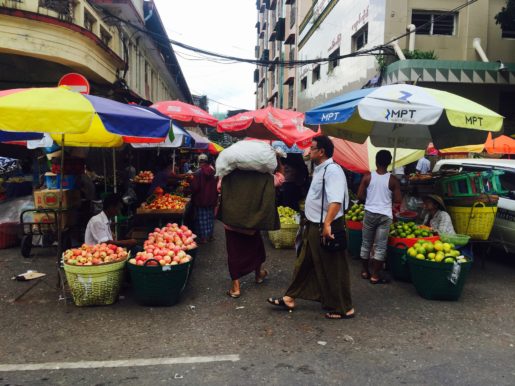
x: 98, y: 230
x: 335, y: 191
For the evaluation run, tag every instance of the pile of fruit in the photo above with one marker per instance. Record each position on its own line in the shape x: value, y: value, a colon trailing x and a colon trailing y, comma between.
x: 409, y: 230
x: 288, y: 215
x: 95, y: 254
x: 438, y: 252
x: 167, y: 246
x: 355, y: 213
x: 144, y: 177
x: 167, y: 201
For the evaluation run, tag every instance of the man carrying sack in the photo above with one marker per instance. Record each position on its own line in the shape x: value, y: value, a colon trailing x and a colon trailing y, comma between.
x: 321, y: 270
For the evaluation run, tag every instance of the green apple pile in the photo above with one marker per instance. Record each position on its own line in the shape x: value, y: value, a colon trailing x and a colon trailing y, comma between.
x: 438, y: 252
x: 288, y: 215
x: 355, y: 213
x: 409, y: 230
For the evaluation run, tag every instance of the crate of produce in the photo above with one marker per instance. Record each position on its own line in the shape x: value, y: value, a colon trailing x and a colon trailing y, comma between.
x: 476, y: 221
x: 157, y: 285
x: 409, y: 233
x: 95, y: 273
x: 397, y: 262
x: 284, y: 237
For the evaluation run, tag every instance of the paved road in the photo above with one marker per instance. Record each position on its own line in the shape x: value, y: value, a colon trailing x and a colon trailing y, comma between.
x: 397, y: 337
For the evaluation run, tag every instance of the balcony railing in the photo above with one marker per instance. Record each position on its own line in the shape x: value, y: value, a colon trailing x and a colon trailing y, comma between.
x: 63, y: 7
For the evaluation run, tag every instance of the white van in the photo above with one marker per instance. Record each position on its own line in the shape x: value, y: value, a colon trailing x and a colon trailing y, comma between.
x: 503, y: 231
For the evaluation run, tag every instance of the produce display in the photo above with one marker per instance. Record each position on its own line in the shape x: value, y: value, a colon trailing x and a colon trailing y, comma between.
x: 144, y: 177
x: 438, y: 252
x: 288, y: 215
x: 95, y: 254
x: 356, y: 213
x: 167, y: 201
x: 167, y: 246
x: 409, y: 230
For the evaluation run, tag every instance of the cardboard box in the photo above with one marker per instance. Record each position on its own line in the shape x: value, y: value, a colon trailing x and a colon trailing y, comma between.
x: 69, y: 218
x: 49, y: 199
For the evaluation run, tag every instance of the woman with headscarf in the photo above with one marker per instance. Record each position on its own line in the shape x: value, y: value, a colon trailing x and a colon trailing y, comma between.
x: 436, y: 216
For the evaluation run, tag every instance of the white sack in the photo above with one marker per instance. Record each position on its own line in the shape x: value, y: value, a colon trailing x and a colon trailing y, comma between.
x: 246, y: 155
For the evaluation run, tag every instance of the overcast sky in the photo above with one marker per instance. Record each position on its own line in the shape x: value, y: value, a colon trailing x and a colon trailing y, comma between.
x: 225, y: 27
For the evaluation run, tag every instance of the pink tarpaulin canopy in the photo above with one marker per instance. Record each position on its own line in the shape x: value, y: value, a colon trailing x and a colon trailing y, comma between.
x: 271, y: 124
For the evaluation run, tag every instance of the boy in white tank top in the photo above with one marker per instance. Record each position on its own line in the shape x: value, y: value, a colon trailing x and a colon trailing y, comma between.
x: 379, y: 190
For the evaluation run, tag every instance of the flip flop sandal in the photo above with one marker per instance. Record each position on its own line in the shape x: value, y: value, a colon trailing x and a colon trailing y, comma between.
x: 260, y: 279
x: 279, y: 302
x: 233, y: 295
x: 365, y: 275
x: 330, y: 315
x: 381, y: 280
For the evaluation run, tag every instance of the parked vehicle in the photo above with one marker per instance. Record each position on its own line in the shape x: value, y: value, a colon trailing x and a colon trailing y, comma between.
x: 503, y: 231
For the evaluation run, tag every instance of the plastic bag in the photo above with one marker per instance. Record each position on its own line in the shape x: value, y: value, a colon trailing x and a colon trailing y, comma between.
x: 11, y: 210
x: 246, y: 155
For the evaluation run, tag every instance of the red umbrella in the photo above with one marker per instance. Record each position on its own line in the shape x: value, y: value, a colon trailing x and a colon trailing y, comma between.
x: 188, y: 114
x: 271, y: 124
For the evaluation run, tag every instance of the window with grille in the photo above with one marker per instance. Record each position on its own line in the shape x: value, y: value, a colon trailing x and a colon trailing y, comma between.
x: 360, y: 38
x: 508, y: 33
x: 316, y: 74
x: 290, y: 95
x: 304, y: 83
x: 434, y: 23
x: 334, y: 61
x: 105, y: 36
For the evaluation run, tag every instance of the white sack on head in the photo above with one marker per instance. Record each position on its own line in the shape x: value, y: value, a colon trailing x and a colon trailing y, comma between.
x: 246, y: 155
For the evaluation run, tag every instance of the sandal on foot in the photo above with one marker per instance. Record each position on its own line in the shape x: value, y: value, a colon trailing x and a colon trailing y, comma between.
x: 381, y: 280
x: 365, y: 275
x: 339, y: 315
x: 262, y: 276
x: 279, y: 302
x: 234, y: 295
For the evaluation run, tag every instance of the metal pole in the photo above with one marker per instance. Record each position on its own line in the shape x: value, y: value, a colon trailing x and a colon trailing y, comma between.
x: 394, y: 153
x: 114, y: 171
x: 105, y: 170
x: 60, y: 213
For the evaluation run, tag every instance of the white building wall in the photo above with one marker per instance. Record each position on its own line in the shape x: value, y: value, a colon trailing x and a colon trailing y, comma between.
x: 337, y: 29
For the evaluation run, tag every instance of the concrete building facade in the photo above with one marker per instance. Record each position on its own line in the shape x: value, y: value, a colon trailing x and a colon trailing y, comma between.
x: 464, y: 52
x: 104, y: 40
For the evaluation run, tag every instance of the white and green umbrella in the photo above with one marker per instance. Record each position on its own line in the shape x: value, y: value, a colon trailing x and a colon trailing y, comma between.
x: 405, y: 116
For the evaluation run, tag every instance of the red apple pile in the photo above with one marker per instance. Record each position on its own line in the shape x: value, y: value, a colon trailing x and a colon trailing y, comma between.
x: 144, y: 177
x: 95, y: 254
x: 167, y: 201
x: 167, y: 246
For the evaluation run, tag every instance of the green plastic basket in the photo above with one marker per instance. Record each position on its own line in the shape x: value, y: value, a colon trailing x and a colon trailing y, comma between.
x: 355, y: 239
x: 458, y: 240
x: 95, y: 285
x: 432, y: 282
x: 398, y: 262
x: 159, y: 285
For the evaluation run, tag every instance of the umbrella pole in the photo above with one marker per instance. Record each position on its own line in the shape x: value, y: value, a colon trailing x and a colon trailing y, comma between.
x: 115, y: 190
x: 394, y: 153
x: 105, y: 170
x: 173, y: 162
x: 59, y: 225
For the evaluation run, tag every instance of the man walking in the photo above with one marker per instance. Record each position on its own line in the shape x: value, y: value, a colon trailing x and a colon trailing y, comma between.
x: 205, y: 198
x: 320, y: 274
x: 377, y: 189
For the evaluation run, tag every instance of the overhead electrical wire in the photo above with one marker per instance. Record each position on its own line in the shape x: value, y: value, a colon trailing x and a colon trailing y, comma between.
x: 376, y: 50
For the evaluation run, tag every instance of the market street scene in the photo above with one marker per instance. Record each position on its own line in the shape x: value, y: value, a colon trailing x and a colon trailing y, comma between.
x: 279, y: 192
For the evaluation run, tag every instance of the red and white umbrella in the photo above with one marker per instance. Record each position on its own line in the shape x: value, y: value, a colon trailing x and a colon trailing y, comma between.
x: 270, y: 124
x: 189, y: 115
